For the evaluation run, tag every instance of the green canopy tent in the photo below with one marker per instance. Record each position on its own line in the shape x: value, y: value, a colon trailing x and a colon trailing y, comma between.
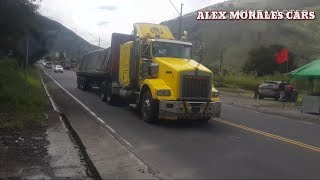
x: 311, y: 71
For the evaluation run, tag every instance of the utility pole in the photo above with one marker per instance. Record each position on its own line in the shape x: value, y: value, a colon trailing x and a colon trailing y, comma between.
x: 26, y: 66
x: 288, y: 66
x: 180, y: 17
x: 221, y: 57
x: 99, y: 41
x: 180, y: 22
x: 78, y: 54
x: 220, y: 69
x: 200, y: 54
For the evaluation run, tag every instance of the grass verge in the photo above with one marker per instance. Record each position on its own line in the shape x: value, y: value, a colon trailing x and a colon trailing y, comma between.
x: 242, y: 84
x: 245, y: 81
x: 20, y: 108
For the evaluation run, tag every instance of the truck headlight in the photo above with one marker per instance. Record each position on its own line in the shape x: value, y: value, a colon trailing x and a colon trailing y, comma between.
x: 215, y: 94
x: 163, y: 92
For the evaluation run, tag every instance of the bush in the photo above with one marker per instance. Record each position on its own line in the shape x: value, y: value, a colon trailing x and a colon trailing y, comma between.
x: 262, y: 61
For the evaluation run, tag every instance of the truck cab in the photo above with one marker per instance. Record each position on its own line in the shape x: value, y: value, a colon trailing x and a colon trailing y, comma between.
x: 168, y: 84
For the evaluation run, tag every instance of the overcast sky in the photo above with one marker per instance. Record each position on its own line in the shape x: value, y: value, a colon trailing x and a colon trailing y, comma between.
x: 102, y: 17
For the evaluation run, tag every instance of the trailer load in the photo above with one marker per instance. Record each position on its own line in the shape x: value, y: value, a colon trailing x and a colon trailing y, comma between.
x: 66, y: 64
x: 154, y: 71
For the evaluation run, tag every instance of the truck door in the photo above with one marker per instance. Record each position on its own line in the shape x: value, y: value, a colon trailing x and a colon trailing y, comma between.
x: 124, y: 68
x: 145, y: 60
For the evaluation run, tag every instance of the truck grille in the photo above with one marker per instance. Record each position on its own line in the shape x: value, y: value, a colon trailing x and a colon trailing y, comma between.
x: 195, y: 87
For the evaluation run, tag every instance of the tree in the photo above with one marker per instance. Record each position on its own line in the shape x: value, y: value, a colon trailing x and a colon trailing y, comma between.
x: 20, y: 19
x: 61, y: 56
x: 262, y: 61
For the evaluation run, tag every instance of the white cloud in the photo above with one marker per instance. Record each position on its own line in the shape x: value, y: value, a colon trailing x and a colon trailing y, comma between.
x: 103, y: 17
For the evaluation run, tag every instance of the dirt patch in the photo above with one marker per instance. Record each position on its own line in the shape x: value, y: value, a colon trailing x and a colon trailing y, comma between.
x: 248, y: 100
x: 23, y: 153
x: 269, y: 106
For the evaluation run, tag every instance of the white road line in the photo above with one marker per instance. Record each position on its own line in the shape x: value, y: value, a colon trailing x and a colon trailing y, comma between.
x: 309, y: 123
x: 84, y: 106
x: 55, y: 107
x: 99, y: 119
x: 126, y: 142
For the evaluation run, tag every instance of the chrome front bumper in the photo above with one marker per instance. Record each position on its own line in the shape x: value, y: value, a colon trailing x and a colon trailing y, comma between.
x: 188, y: 110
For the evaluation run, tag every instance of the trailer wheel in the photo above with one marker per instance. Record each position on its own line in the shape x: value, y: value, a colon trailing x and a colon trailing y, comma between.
x: 110, y: 99
x: 106, y: 95
x: 78, y: 83
x: 149, y: 108
x: 103, y: 92
x: 83, y: 85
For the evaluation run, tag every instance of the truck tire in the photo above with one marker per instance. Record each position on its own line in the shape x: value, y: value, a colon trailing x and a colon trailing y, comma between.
x: 103, y: 92
x: 110, y: 99
x: 149, y: 108
x: 78, y: 83
x: 83, y: 85
x: 88, y: 86
x: 204, y: 120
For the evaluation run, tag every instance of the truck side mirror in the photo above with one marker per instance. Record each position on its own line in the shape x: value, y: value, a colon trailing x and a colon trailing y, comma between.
x: 148, y: 68
x: 153, y: 69
x: 144, y: 67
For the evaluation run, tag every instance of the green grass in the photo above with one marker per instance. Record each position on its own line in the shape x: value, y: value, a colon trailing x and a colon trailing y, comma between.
x: 244, y: 84
x: 244, y: 81
x: 19, y: 108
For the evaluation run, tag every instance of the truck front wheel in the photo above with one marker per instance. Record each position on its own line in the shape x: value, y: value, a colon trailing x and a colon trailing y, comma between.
x: 148, y: 108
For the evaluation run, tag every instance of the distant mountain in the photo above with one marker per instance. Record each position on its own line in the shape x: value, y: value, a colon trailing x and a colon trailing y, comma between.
x: 236, y: 38
x: 62, y: 39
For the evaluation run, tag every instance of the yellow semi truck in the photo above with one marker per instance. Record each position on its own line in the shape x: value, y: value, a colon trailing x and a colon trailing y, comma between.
x: 153, y: 70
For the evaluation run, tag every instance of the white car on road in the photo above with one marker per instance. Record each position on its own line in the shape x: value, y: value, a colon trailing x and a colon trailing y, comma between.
x: 58, y: 68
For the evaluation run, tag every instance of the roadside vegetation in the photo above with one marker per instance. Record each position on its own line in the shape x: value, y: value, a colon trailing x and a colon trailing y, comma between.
x: 235, y: 39
x: 261, y: 66
x: 245, y: 81
x: 22, y: 27
x: 20, y: 108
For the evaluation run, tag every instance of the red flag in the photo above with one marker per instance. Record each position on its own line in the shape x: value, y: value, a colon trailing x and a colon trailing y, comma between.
x: 282, y: 56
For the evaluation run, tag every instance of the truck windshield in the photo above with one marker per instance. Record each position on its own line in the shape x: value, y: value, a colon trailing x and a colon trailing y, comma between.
x: 164, y: 49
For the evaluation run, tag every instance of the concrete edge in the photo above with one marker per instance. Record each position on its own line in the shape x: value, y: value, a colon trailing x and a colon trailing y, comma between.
x: 95, y: 174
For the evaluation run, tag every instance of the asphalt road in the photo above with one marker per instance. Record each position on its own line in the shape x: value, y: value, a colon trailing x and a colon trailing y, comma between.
x: 242, y: 144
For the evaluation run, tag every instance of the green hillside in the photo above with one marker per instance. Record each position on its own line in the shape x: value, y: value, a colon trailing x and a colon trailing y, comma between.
x: 21, y: 22
x: 238, y: 37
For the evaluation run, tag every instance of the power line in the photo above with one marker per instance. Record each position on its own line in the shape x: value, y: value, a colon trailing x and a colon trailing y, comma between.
x: 180, y: 17
x: 175, y: 8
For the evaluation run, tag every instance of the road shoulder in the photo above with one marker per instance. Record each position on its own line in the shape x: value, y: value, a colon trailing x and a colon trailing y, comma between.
x: 269, y: 107
x: 111, y: 159
x: 41, y: 151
